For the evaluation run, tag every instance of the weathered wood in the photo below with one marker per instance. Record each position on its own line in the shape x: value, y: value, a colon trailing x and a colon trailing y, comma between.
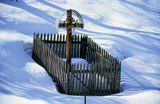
x: 83, y: 47
x: 80, y: 77
x: 83, y: 79
x: 63, y: 47
x: 100, y: 78
x: 68, y: 39
x: 87, y: 80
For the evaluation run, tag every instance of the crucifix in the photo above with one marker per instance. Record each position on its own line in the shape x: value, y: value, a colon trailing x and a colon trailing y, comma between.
x: 69, y: 24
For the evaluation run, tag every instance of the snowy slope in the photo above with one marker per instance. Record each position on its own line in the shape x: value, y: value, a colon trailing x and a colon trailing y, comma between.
x: 128, y: 29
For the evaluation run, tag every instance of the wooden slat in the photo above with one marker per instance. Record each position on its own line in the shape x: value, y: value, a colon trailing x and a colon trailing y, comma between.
x: 91, y: 78
x: 73, y: 78
x: 83, y: 78
x: 119, y: 75
x: 54, y: 40
x: 51, y: 39
x: 87, y: 80
x: 76, y: 76
x: 74, y: 46
x: 55, y: 45
x: 63, y: 47
x: 60, y: 46
x: 106, y: 77
x: 101, y: 76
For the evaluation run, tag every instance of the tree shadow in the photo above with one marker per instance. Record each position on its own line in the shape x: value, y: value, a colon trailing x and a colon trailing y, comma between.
x: 142, y: 7
x: 21, y: 4
x: 99, y: 23
x: 152, y: 19
x: 138, y: 82
x: 124, y: 38
x: 115, y: 27
x: 27, y: 28
x: 37, y: 89
x: 52, y: 5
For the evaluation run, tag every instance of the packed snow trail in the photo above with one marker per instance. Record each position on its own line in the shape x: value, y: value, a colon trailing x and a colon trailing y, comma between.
x: 128, y: 29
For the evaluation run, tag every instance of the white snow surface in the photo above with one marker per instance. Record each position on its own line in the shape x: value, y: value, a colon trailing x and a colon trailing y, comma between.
x: 128, y: 29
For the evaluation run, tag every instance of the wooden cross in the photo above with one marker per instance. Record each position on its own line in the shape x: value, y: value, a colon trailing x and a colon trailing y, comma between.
x: 69, y: 24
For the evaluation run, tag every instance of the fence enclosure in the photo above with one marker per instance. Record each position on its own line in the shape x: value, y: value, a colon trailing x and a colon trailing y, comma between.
x: 101, y: 76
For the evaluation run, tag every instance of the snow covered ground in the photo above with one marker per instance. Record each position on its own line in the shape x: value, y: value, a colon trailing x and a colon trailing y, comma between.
x: 128, y: 29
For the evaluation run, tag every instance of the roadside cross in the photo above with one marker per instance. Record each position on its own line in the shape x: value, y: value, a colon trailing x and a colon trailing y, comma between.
x: 70, y: 23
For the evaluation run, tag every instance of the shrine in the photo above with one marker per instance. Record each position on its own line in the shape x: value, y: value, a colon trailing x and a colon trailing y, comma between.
x: 100, y: 76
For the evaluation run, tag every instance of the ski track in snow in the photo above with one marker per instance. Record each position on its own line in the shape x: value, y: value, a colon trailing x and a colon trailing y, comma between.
x: 128, y: 29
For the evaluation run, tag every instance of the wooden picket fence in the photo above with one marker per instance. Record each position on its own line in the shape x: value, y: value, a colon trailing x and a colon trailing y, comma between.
x: 101, y: 76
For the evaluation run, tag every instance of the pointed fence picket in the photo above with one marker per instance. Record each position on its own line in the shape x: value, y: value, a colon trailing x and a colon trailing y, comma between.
x: 101, y: 76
